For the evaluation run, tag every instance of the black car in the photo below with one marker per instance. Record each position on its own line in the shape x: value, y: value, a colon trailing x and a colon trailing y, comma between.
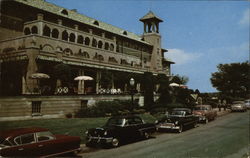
x: 119, y: 129
x: 178, y: 119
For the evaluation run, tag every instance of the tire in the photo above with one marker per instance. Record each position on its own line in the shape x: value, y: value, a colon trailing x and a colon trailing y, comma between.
x: 206, y: 121
x: 180, y: 129
x: 115, y: 142
x: 146, y: 135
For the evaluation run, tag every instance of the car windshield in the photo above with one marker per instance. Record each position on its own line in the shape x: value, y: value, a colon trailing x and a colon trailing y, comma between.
x: 115, y: 122
x: 178, y: 113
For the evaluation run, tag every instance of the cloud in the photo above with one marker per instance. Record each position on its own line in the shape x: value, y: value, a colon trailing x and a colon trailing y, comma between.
x: 181, y: 57
x: 244, y: 21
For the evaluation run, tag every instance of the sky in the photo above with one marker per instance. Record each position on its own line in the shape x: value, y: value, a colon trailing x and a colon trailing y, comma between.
x: 199, y: 35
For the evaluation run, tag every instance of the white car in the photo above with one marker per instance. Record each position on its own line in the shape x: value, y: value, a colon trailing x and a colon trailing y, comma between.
x: 247, y: 103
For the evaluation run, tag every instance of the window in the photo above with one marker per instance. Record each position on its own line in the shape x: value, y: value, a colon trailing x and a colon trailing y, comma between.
x: 25, y: 139
x: 26, y: 31
x: 34, y: 30
x: 55, y: 33
x: 65, y: 35
x: 36, y: 107
x: 65, y: 12
x: 80, y: 39
x: 96, y: 23
x: 106, y: 46
x: 100, y: 44
x: 94, y: 43
x: 43, y: 136
x: 72, y: 37
x: 87, y: 41
x: 46, y: 31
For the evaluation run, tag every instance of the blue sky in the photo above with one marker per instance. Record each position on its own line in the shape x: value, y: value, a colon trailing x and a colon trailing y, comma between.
x: 198, y: 34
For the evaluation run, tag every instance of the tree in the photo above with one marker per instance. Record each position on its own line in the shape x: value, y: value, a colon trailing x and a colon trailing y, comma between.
x: 148, y: 84
x: 179, y: 79
x: 232, y: 80
x: 164, y: 89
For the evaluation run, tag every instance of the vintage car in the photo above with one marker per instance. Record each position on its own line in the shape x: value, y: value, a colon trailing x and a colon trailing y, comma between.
x: 118, y: 130
x: 177, y: 120
x: 238, y: 106
x: 36, y: 142
x: 247, y: 103
x: 205, y: 113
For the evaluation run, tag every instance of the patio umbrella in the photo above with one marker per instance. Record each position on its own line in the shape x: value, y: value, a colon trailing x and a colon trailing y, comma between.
x: 39, y: 76
x: 174, y: 85
x: 80, y: 78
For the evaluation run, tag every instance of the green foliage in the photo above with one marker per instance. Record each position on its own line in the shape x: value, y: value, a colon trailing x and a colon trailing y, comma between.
x: 107, y: 108
x: 232, y: 79
x: 164, y: 89
x: 148, y: 84
x: 179, y: 79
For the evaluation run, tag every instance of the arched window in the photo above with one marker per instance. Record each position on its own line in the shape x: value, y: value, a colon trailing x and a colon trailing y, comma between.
x: 80, y: 39
x: 55, y: 33
x: 111, y: 47
x: 106, y: 46
x: 94, y: 43
x: 72, y: 37
x: 27, y: 31
x: 65, y: 12
x: 125, y: 33
x: 87, y: 41
x: 46, y: 31
x: 34, y: 30
x: 100, y: 44
x: 65, y: 35
x: 96, y: 23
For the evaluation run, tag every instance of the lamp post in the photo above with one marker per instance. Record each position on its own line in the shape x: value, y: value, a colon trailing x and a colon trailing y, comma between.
x: 132, y: 83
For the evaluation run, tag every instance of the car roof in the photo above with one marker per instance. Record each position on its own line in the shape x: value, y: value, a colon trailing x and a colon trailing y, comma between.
x: 182, y: 109
x: 202, y: 105
x: 20, y: 131
x: 125, y: 116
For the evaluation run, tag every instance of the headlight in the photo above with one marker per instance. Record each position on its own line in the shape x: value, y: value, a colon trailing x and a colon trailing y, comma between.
x: 105, y: 133
x: 156, y: 121
x: 176, y: 122
x: 87, y: 132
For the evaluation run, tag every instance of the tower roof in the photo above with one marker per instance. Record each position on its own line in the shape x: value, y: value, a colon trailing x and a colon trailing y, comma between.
x: 150, y: 15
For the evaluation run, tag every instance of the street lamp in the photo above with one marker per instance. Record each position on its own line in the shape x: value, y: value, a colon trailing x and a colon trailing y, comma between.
x: 132, y: 83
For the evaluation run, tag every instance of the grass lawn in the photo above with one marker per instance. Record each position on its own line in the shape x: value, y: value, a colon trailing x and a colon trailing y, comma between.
x: 72, y: 126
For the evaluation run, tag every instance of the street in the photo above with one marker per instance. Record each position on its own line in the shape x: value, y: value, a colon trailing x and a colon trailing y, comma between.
x: 227, y: 136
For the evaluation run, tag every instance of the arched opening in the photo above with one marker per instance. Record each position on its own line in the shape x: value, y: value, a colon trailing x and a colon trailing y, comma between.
x: 94, y: 43
x: 106, y: 46
x: 100, y: 44
x: 34, y: 30
x: 27, y: 31
x: 46, y: 31
x: 111, y: 47
x: 96, y: 23
x: 125, y: 33
x: 80, y: 39
x: 72, y: 37
x: 65, y: 35
x: 55, y: 33
x: 65, y: 12
x: 87, y: 41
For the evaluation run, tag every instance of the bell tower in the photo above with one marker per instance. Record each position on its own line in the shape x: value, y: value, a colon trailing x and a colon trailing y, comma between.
x: 151, y: 35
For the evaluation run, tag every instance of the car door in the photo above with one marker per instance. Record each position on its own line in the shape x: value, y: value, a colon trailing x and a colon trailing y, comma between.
x: 26, y: 145
x: 45, y: 143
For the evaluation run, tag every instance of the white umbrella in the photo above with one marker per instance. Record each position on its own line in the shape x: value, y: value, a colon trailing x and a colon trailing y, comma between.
x: 174, y: 85
x: 39, y: 76
x: 79, y: 78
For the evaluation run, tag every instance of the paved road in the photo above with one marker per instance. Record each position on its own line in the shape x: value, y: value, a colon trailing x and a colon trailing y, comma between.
x: 228, y: 136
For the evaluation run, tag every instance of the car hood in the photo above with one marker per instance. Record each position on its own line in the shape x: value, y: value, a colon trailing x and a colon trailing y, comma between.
x: 198, y: 112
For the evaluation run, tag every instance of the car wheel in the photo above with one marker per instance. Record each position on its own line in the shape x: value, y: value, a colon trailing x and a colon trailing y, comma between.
x: 180, y: 129
x: 206, y: 121
x: 146, y: 135
x: 115, y: 142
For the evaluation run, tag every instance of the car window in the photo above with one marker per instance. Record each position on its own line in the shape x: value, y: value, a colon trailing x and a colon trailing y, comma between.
x: 137, y: 121
x: 25, y: 139
x: 115, y: 122
x: 43, y: 136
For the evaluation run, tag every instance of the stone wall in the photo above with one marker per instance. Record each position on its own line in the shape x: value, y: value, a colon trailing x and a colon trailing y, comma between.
x: 39, y: 107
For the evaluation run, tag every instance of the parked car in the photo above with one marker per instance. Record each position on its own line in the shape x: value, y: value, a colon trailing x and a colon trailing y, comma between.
x: 205, y: 113
x: 119, y: 129
x: 247, y: 103
x: 238, y: 106
x: 178, y: 119
x: 36, y: 142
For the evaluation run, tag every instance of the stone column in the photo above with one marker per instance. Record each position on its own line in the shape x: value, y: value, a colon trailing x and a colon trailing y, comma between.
x: 81, y: 83
x: 40, y: 24
x: 112, y: 82
x: 32, y: 84
x: 98, y: 78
